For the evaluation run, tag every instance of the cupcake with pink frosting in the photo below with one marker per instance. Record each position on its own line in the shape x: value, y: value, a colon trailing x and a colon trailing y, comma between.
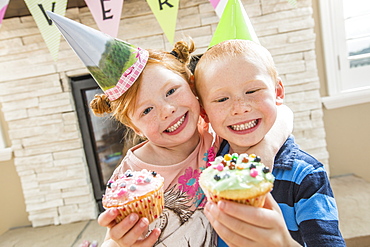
x: 139, y: 192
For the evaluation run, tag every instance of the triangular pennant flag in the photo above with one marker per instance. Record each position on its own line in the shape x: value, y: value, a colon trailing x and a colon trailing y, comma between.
x: 3, y: 7
x: 166, y: 13
x: 234, y: 24
x: 293, y: 3
x: 219, y: 6
x: 107, y: 15
x: 47, y: 28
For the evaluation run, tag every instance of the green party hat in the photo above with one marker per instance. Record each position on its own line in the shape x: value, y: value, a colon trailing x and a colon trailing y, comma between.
x: 114, y: 64
x: 234, y: 24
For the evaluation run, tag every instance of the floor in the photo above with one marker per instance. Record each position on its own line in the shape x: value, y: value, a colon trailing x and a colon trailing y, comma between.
x: 70, y: 235
x: 352, y: 195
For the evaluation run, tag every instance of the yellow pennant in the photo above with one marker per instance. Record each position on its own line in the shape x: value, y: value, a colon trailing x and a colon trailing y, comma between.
x: 165, y: 11
x: 48, y: 30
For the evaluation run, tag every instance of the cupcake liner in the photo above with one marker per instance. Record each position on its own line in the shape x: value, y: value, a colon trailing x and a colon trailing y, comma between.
x: 150, y: 206
x: 257, y: 201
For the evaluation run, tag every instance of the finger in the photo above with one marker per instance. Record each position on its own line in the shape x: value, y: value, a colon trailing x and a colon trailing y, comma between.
x: 232, y: 238
x: 107, y: 218
x: 270, y: 203
x: 134, y: 234
x: 150, y: 240
x: 122, y: 228
x: 252, y: 215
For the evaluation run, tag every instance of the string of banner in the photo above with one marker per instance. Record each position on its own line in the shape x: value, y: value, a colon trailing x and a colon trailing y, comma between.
x: 107, y: 15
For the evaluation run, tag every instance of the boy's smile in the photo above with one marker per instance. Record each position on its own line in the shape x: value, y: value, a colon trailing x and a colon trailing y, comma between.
x: 239, y: 97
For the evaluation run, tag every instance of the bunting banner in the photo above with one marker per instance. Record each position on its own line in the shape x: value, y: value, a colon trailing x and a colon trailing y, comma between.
x: 219, y: 6
x: 48, y: 30
x: 107, y: 15
x: 165, y: 11
x: 3, y: 7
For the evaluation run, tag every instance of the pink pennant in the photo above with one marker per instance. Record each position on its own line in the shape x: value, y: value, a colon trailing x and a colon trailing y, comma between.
x: 3, y: 7
x: 219, y: 6
x: 107, y: 15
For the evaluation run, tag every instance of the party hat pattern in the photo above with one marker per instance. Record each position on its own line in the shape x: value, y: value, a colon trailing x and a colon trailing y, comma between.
x: 114, y: 64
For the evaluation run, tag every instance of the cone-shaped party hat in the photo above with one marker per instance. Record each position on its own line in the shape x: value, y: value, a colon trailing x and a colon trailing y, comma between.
x: 234, y: 24
x: 114, y: 64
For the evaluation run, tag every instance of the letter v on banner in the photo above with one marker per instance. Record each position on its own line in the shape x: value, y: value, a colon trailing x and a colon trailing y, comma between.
x: 48, y: 30
x: 165, y: 11
x: 107, y: 15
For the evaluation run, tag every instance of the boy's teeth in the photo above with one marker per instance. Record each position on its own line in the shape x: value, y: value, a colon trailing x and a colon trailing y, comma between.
x: 244, y: 126
x: 176, y: 125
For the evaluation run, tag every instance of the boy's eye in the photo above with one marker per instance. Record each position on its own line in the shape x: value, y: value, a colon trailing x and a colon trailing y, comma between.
x: 251, y: 91
x: 222, y: 99
x: 170, y: 92
x: 147, y: 110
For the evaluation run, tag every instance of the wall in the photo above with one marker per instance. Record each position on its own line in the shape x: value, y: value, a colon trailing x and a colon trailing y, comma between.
x: 13, y: 209
x: 38, y: 106
x: 347, y: 128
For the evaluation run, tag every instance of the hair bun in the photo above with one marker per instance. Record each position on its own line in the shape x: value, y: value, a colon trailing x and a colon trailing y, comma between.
x: 100, y: 104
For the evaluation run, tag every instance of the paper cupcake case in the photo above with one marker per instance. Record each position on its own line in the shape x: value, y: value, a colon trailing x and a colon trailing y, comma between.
x: 150, y: 206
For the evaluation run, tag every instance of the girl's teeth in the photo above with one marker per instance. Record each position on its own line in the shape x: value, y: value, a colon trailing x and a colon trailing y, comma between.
x: 244, y: 126
x: 176, y: 125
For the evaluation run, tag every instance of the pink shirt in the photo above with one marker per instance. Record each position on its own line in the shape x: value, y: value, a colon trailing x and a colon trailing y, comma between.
x: 182, y: 221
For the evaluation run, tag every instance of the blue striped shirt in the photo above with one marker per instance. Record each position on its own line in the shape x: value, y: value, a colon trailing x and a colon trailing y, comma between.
x: 302, y: 190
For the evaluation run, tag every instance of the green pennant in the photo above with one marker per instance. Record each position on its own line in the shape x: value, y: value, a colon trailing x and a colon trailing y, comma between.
x: 165, y: 11
x: 48, y: 30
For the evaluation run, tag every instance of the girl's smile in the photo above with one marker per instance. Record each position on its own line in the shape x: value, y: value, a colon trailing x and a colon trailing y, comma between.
x: 177, y: 126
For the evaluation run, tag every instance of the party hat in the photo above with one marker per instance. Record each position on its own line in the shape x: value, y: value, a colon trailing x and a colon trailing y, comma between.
x: 114, y: 64
x: 234, y: 24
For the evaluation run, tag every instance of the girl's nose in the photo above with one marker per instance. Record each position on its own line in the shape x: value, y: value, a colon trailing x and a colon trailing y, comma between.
x: 167, y: 110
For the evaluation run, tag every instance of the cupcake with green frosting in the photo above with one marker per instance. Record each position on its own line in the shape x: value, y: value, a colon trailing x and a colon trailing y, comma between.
x: 240, y: 178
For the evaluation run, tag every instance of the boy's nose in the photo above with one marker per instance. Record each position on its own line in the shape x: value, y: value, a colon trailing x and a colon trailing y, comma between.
x: 240, y: 106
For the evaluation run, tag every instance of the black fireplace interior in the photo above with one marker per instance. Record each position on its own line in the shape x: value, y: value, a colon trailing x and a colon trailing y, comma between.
x: 103, y: 137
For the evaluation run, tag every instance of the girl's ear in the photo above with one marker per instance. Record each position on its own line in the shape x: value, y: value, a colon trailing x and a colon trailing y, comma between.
x: 192, y: 84
x: 280, y: 92
x: 203, y: 114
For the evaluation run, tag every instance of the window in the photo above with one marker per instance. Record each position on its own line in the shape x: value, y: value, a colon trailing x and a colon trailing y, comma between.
x: 346, y: 40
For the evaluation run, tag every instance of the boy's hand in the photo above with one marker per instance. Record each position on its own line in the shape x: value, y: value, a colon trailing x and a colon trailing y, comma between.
x: 243, y: 225
x: 128, y: 232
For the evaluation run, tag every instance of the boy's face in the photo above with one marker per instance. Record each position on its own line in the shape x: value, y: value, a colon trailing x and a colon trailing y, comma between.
x: 239, y: 98
x: 167, y: 111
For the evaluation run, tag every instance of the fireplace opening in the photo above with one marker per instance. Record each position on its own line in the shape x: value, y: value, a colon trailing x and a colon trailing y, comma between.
x: 103, y: 137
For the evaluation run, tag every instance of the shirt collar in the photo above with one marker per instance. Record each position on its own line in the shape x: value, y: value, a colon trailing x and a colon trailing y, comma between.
x: 285, y: 157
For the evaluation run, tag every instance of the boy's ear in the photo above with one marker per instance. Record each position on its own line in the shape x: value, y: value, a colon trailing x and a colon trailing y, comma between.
x: 280, y: 92
x: 203, y: 114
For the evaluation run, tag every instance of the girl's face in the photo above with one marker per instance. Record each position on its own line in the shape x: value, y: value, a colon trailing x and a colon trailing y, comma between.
x: 239, y: 98
x: 167, y: 111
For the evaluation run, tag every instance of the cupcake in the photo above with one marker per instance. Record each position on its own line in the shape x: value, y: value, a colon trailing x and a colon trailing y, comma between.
x: 138, y: 192
x: 239, y: 178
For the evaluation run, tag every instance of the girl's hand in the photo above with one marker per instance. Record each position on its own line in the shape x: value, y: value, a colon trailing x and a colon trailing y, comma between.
x: 128, y: 232
x: 244, y: 225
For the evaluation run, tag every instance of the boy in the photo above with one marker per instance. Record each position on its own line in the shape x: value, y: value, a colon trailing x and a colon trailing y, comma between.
x: 239, y: 89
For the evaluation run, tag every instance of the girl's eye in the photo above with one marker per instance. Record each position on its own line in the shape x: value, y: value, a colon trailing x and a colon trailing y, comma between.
x: 147, y: 110
x: 170, y: 92
x: 222, y: 99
